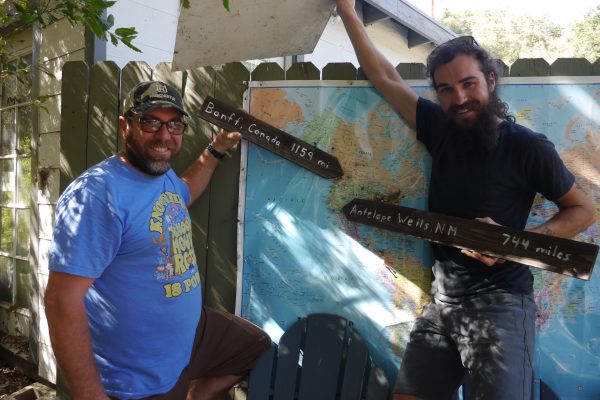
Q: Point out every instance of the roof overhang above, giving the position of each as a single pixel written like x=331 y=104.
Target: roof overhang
x=421 y=27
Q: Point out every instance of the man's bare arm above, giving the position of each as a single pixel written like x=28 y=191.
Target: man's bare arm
x=379 y=70
x=576 y=213
x=70 y=335
x=198 y=174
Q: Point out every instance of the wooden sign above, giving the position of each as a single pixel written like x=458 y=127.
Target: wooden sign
x=563 y=256
x=208 y=34
x=270 y=138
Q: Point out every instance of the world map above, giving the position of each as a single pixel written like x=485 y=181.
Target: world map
x=300 y=255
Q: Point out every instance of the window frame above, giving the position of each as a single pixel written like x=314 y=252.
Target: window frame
x=14 y=256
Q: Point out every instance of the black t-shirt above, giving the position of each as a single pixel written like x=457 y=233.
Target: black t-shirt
x=500 y=184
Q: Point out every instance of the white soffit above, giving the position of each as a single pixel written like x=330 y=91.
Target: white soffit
x=208 y=34
x=415 y=20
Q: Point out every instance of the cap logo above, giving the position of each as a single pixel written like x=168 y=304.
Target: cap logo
x=160 y=88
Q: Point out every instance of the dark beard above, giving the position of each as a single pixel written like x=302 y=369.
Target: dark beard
x=135 y=155
x=477 y=138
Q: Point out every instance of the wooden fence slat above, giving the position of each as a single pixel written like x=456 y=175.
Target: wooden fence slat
x=571 y=67
x=339 y=71
x=162 y=72
x=199 y=83
x=303 y=71
x=596 y=68
x=530 y=67
x=103 y=112
x=270 y=71
x=412 y=70
x=132 y=74
x=231 y=83
x=504 y=69
x=360 y=74
x=73 y=120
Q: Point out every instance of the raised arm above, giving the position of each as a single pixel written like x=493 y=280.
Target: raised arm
x=70 y=335
x=378 y=69
x=576 y=213
x=198 y=175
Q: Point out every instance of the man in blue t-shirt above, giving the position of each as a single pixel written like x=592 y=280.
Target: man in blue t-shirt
x=481 y=317
x=123 y=301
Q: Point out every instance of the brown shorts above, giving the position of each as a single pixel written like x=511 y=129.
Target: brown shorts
x=225 y=344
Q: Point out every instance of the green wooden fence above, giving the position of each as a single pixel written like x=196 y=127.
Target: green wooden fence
x=89 y=133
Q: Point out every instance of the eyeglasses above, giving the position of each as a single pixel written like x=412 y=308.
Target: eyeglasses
x=153 y=125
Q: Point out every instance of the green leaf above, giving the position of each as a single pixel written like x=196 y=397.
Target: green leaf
x=226 y=4
x=110 y=21
x=186 y=3
x=126 y=32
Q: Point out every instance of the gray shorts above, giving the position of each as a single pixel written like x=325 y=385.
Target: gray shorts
x=488 y=338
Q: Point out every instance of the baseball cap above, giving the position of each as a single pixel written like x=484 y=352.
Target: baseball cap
x=149 y=95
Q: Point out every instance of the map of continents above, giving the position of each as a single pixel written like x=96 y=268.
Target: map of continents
x=301 y=256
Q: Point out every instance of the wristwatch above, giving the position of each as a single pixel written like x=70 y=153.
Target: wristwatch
x=216 y=153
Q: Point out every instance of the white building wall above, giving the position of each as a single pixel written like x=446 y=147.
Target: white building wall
x=156 y=24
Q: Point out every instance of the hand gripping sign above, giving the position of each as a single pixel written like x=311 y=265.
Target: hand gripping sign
x=563 y=256
x=270 y=138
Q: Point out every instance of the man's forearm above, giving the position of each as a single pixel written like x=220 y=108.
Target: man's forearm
x=379 y=70
x=577 y=212
x=72 y=347
x=566 y=223
x=197 y=176
x=370 y=59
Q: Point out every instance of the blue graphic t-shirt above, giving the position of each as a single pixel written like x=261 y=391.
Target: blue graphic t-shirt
x=132 y=233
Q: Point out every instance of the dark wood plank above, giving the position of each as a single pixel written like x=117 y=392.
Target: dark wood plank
x=571 y=67
x=73 y=120
x=132 y=74
x=199 y=82
x=360 y=74
x=303 y=71
x=412 y=70
x=564 y=256
x=162 y=72
x=270 y=138
x=103 y=112
x=270 y=71
x=339 y=71
x=323 y=349
x=231 y=81
x=504 y=69
x=378 y=387
x=287 y=369
x=530 y=67
x=355 y=368
x=259 y=381
x=596 y=68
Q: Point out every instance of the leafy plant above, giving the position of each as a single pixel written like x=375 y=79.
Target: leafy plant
x=19 y=15
x=586 y=35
